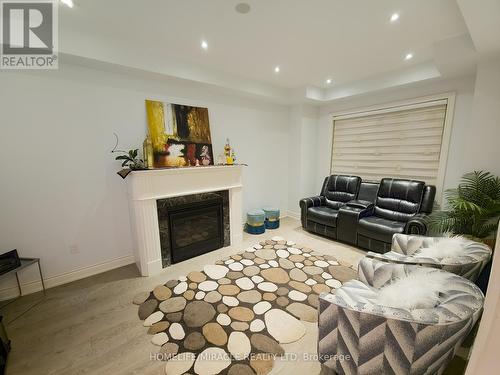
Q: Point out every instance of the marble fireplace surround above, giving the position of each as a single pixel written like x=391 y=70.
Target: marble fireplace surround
x=145 y=187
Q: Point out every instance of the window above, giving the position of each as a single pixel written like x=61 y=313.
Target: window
x=408 y=142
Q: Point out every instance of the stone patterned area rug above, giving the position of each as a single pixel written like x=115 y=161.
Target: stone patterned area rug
x=232 y=317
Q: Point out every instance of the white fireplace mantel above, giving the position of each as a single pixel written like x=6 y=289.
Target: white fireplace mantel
x=145 y=187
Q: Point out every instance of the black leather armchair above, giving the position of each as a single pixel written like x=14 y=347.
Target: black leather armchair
x=400 y=207
x=319 y=214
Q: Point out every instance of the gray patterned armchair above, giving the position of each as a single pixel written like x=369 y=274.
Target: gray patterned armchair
x=357 y=336
x=404 y=246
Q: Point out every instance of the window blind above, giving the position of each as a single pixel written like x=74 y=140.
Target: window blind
x=400 y=143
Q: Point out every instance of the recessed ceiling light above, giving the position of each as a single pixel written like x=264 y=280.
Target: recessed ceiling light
x=329 y=81
x=242 y=8
x=277 y=69
x=204 y=44
x=409 y=56
x=68 y=3
x=394 y=17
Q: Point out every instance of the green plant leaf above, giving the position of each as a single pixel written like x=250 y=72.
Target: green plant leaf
x=473 y=208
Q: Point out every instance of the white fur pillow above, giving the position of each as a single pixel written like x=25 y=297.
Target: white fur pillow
x=418 y=290
x=446 y=247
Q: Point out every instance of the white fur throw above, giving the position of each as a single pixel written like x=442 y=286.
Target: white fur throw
x=417 y=290
x=446 y=247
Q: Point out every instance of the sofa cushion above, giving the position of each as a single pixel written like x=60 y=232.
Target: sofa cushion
x=339 y=189
x=379 y=228
x=398 y=199
x=323 y=215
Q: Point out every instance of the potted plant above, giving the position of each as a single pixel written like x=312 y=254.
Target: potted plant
x=128 y=158
x=472 y=209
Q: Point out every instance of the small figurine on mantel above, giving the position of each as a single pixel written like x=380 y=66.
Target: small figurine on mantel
x=221 y=159
x=227 y=153
x=205 y=157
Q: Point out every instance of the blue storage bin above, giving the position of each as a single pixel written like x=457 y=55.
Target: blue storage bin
x=256 y=222
x=272 y=217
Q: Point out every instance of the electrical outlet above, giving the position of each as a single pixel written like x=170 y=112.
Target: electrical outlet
x=73 y=249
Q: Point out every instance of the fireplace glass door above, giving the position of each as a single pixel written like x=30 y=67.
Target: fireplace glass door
x=196 y=229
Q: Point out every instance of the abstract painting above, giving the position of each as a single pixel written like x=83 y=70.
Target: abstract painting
x=180 y=135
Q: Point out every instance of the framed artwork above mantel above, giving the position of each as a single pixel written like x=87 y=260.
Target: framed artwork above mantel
x=180 y=135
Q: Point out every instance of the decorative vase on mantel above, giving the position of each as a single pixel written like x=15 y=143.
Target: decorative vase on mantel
x=147 y=150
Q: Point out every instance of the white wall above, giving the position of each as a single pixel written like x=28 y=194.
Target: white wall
x=302 y=154
x=59 y=185
x=481 y=149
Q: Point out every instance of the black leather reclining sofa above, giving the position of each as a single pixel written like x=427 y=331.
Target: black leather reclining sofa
x=367 y=214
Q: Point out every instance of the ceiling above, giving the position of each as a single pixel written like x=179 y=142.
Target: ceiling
x=346 y=40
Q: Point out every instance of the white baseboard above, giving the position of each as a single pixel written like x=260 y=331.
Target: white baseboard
x=283 y=214
x=81 y=273
x=293 y=214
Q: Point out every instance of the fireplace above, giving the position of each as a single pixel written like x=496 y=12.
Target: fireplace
x=192 y=225
x=149 y=191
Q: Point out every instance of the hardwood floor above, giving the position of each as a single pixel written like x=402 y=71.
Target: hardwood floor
x=90 y=326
